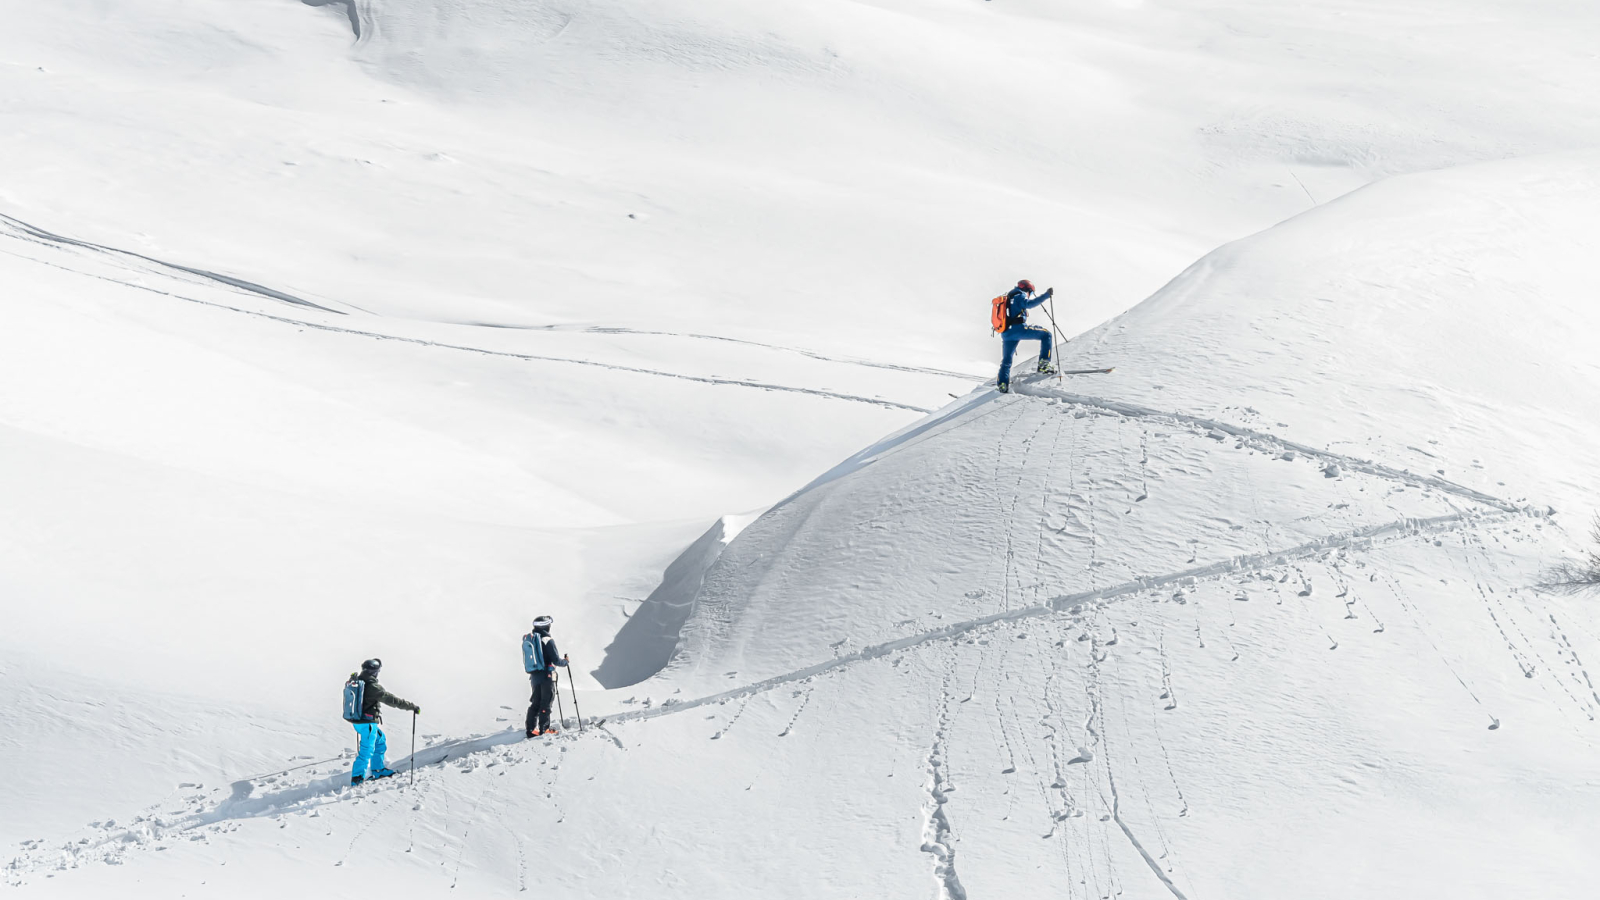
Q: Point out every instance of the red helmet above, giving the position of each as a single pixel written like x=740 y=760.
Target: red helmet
x=1026 y=285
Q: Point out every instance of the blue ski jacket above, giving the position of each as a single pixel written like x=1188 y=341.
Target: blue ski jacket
x=1018 y=303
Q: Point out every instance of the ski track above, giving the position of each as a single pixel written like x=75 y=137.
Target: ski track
x=805 y=700
x=1149 y=805
x=1044 y=510
x=1367 y=467
x=322 y=791
x=1069 y=803
x=1011 y=571
x=734 y=719
x=1570 y=656
x=46 y=237
x=362 y=831
x=516 y=843
x=690 y=335
x=39 y=234
x=1423 y=628
x=1077 y=601
x=242 y=804
x=461 y=851
x=1097 y=711
x=937 y=837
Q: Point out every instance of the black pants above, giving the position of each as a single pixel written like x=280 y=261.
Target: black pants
x=544 y=694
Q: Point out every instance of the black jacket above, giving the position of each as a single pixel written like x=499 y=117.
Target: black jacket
x=374 y=694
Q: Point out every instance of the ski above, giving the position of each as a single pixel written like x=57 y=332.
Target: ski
x=1032 y=377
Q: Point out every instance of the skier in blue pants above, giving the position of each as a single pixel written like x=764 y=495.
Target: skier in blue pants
x=370 y=758
x=1018 y=302
x=369 y=729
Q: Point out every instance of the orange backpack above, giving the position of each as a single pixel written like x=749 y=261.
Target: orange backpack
x=997 y=313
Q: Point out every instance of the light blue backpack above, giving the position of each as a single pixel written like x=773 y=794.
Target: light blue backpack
x=355 y=695
x=533 y=653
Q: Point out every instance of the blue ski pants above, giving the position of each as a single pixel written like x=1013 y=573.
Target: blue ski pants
x=1009 y=340
x=373 y=747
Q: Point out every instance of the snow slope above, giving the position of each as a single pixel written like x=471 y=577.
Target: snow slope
x=333 y=331
x=479 y=161
x=1422 y=341
x=1081 y=639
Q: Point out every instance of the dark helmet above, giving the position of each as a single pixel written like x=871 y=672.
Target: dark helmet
x=543 y=623
x=1026 y=285
x=371 y=666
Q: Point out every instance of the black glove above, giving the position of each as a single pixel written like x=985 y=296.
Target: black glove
x=417 y=711
x=1048 y=293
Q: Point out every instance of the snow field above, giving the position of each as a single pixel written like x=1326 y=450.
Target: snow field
x=437 y=316
x=1032 y=755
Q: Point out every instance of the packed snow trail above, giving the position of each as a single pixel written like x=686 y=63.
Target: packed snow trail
x=244 y=804
x=1064 y=611
x=26 y=231
x=810 y=354
x=1205 y=425
x=1069 y=603
x=41 y=236
x=328 y=795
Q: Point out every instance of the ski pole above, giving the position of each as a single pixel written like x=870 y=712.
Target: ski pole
x=556 y=686
x=1051 y=312
x=413 y=747
x=573 y=687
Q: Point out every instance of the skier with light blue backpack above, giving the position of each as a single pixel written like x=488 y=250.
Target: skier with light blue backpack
x=362 y=696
